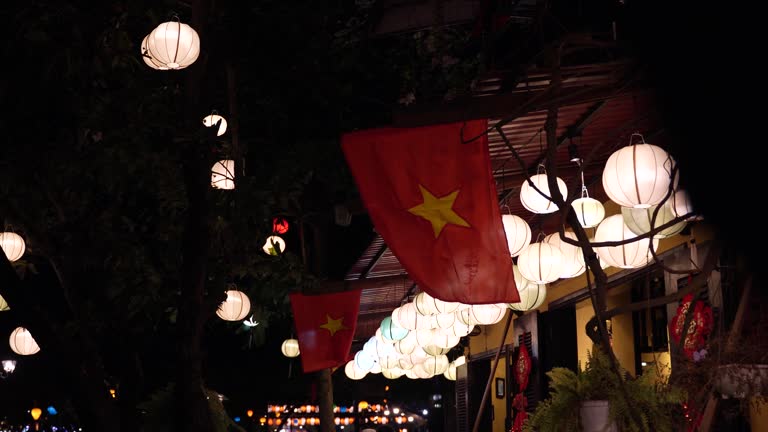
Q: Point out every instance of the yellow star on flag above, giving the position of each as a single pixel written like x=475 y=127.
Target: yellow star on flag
x=333 y=325
x=438 y=211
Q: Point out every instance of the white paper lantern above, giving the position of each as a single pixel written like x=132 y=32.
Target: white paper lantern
x=540 y=263
x=364 y=361
x=435 y=365
x=422 y=372
x=353 y=372
x=211 y=120
x=22 y=342
x=638 y=175
x=442 y=339
x=388 y=362
x=631 y=255
x=235 y=307
x=573 y=259
x=274 y=245
x=487 y=314
x=370 y=347
x=638 y=220
x=290 y=348
x=533 y=201
x=445 y=320
x=391 y=331
x=13 y=245
x=171 y=45
x=434 y=350
x=424 y=337
x=589 y=211
x=404 y=363
x=450 y=373
x=427 y=305
x=459 y=328
x=376 y=369
x=410 y=373
x=384 y=349
x=417 y=356
x=518 y=233
x=223 y=175
x=392 y=373
x=408 y=318
x=407 y=345
x=531 y=297
x=680 y=203
x=3 y=305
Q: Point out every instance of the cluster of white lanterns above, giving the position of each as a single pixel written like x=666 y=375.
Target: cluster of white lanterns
x=414 y=340
x=171 y=45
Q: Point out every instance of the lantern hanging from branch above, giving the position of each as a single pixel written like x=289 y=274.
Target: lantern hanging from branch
x=171 y=45
x=22 y=342
x=518 y=233
x=534 y=201
x=680 y=203
x=540 y=263
x=630 y=255
x=3 y=305
x=638 y=220
x=573 y=260
x=638 y=175
x=290 y=348
x=235 y=307
x=13 y=245
x=274 y=245
x=531 y=297
x=212 y=119
x=223 y=174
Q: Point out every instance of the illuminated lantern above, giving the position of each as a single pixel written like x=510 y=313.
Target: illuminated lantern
x=531 y=297
x=450 y=373
x=424 y=337
x=274 y=245
x=223 y=175
x=589 y=211
x=487 y=314
x=407 y=345
x=638 y=220
x=391 y=331
x=407 y=317
x=235 y=307
x=36 y=413
x=171 y=45
x=13 y=245
x=460 y=328
x=388 y=362
x=518 y=233
x=443 y=339
x=573 y=260
x=445 y=320
x=630 y=255
x=435 y=350
x=383 y=349
x=290 y=348
x=22 y=342
x=212 y=119
x=638 y=175
x=364 y=361
x=680 y=203
x=279 y=225
x=427 y=305
x=435 y=365
x=421 y=372
x=362 y=405
x=405 y=364
x=249 y=413
x=392 y=373
x=353 y=372
x=533 y=201
x=3 y=305
x=540 y=263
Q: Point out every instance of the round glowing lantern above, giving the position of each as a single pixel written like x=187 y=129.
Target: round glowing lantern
x=540 y=263
x=573 y=260
x=424 y=337
x=13 y=245
x=445 y=320
x=274 y=245
x=630 y=255
x=388 y=362
x=148 y=59
x=461 y=328
x=3 y=305
x=235 y=307
x=212 y=119
x=421 y=372
x=518 y=233
x=407 y=317
x=450 y=373
x=404 y=363
x=638 y=175
x=435 y=365
x=290 y=348
x=223 y=175
x=589 y=211
x=279 y=225
x=391 y=331
x=171 y=45
x=441 y=344
x=680 y=203
x=22 y=342
x=411 y=373
x=487 y=314
x=364 y=361
x=531 y=297
x=638 y=220
x=406 y=345
x=533 y=201
x=35 y=413
x=426 y=305
x=392 y=373
x=353 y=372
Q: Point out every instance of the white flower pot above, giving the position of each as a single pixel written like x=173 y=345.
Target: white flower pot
x=595 y=417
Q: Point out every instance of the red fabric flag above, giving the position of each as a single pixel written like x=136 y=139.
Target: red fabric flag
x=325 y=325
x=433 y=200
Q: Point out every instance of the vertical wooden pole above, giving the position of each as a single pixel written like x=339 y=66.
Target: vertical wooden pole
x=325 y=394
x=476 y=427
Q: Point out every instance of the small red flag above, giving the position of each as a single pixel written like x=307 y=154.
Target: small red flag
x=325 y=325
x=433 y=200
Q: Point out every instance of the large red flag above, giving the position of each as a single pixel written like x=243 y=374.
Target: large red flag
x=325 y=325
x=433 y=200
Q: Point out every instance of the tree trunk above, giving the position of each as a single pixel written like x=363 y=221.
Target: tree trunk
x=325 y=394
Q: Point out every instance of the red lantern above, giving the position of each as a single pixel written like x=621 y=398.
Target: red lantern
x=279 y=225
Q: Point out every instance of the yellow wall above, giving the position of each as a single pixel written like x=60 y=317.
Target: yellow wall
x=499 y=405
x=623 y=340
x=489 y=340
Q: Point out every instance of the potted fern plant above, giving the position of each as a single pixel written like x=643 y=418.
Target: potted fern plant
x=592 y=400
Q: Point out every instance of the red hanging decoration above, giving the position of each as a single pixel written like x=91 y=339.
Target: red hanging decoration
x=279 y=225
x=522 y=371
x=700 y=325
